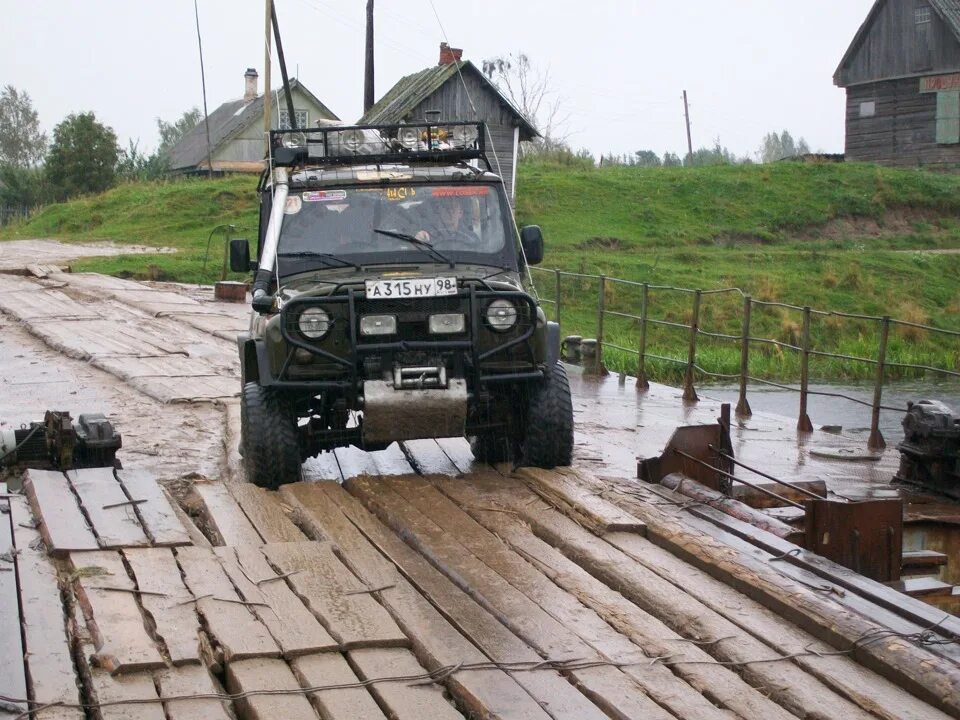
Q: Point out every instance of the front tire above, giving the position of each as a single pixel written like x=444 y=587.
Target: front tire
x=548 y=441
x=490 y=448
x=271 y=452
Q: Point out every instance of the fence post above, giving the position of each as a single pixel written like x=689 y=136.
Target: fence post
x=556 y=294
x=642 y=382
x=743 y=407
x=803 y=422
x=689 y=393
x=876 y=441
x=601 y=309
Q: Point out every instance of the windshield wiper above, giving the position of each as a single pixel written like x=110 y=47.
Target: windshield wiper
x=325 y=256
x=422 y=244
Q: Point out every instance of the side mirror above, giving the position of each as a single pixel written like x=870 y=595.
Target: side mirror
x=240 y=256
x=531 y=238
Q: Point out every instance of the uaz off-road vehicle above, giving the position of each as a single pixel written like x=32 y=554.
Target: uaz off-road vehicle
x=391 y=302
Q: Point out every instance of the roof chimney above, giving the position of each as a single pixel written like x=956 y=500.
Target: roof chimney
x=449 y=55
x=250 y=85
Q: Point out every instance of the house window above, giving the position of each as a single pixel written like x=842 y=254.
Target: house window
x=921 y=15
x=302 y=117
x=948 y=117
x=922 y=36
x=868 y=109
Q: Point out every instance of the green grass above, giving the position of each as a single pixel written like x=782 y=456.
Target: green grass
x=836 y=237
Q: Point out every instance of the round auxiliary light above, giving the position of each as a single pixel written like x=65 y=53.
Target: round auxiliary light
x=463 y=135
x=409 y=137
x=501 y=315
x=352 y=140
x=294 y=140
x=314 y=323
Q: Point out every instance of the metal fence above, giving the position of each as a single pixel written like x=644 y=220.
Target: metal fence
x=13 y=213
x=693 y=332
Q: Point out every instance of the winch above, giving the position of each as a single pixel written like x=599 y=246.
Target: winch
x=930 y=447
x=60 y=443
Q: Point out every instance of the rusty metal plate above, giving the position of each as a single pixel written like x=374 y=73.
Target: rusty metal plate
x=866 y=537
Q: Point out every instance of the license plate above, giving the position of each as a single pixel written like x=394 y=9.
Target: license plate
x=410 y=288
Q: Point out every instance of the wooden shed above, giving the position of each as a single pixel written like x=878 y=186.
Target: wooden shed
x=902 y=77
x=455 y=89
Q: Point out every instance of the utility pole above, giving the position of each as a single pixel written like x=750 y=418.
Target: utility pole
x=203 y=82
x=368 y=67
x=686 y=114
x=267 y=110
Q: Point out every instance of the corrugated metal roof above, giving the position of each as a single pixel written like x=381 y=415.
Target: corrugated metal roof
x=413 y=89
x=226 y=122
x=948 y=10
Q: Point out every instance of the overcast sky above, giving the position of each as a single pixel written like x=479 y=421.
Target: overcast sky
x=619 y=66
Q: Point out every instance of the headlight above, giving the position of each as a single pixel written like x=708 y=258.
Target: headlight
x=409 y=137
x=463 y=135
x=501 y=315
x=314 y=323
x=447 y=323
x=378 y=325
x=352 y=140
x=294 y=140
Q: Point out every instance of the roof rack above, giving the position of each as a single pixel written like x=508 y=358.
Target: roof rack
x=379 y=144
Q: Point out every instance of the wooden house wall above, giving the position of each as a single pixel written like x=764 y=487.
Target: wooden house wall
x=903 y=130
x=453 y=104
x=890 y=48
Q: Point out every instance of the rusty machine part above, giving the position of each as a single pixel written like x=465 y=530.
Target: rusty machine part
x=59 y=443
x=930 y=451
x=866 y=536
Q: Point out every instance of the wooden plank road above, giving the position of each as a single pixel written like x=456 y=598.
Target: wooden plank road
x=108 y=508
x=62 y=524
x=13 y=681
x=154 y=508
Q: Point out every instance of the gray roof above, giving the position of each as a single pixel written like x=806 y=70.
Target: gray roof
x=226 y=122
x=948 y=10
x=413 y=89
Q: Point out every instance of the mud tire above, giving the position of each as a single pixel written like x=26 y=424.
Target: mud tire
x=549 y=437
x=490 y=448
x=271 y=453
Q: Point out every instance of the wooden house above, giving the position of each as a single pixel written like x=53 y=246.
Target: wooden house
x=455 y=89
x=236 y=129
x=902 y=77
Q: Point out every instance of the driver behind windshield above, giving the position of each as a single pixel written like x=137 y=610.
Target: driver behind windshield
x=449 y=222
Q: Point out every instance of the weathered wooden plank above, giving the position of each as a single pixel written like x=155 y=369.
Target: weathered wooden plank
x=402 y=699
x=110 y=511
x=575 y=613
x=343 y=704
x=13 y=682
x=458 y=450
x=49 y=663
x=266 y=674
x=264 y=510
x=159 y=518
x=197 y=537
x=932 y=678
x=291 y=624
x=608 y=687
x=236 y=629
x=720 y=684
x=106 y=688
x=323 y=508
x=335 y=595
x=118 y=628
x=168 y=601
x=592 y=511
x=62 y=524
x=191 y=680
x=429 y=458
x=224 y=516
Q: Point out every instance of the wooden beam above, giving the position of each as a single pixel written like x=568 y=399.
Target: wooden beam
x=403 y=700
x=62 y=524
x=160 y=520
x=232 y=623
x=118 y=628
x=13 y=681
x=47 y=649
x=291 y=624
x=107 y=688
x=191 y=680
x=335 y=595
x=370 y=550
x=224 y=517
x=342 y=704
x=266 y=674
x=110 y=511
x=264 y=509
x=168 y=601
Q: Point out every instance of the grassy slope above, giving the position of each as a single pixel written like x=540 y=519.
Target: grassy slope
x=756 y=228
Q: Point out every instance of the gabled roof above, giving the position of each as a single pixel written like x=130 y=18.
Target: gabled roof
x=226 y=122
x=948 y=10
x=413 y=89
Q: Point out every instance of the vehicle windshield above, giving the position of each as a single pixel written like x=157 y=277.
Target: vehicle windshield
x=397 y=224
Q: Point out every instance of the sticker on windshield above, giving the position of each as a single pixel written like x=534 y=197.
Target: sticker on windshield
x=293 y=206
x=461 y=191
x=325 y=195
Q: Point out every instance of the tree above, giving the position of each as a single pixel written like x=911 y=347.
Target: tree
x=82 y=158
x=776 y=147
x=528 y=88
x=22 y=145
x=172 y=133
x=672 y=160
x=133 y=164
x=647 y=158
